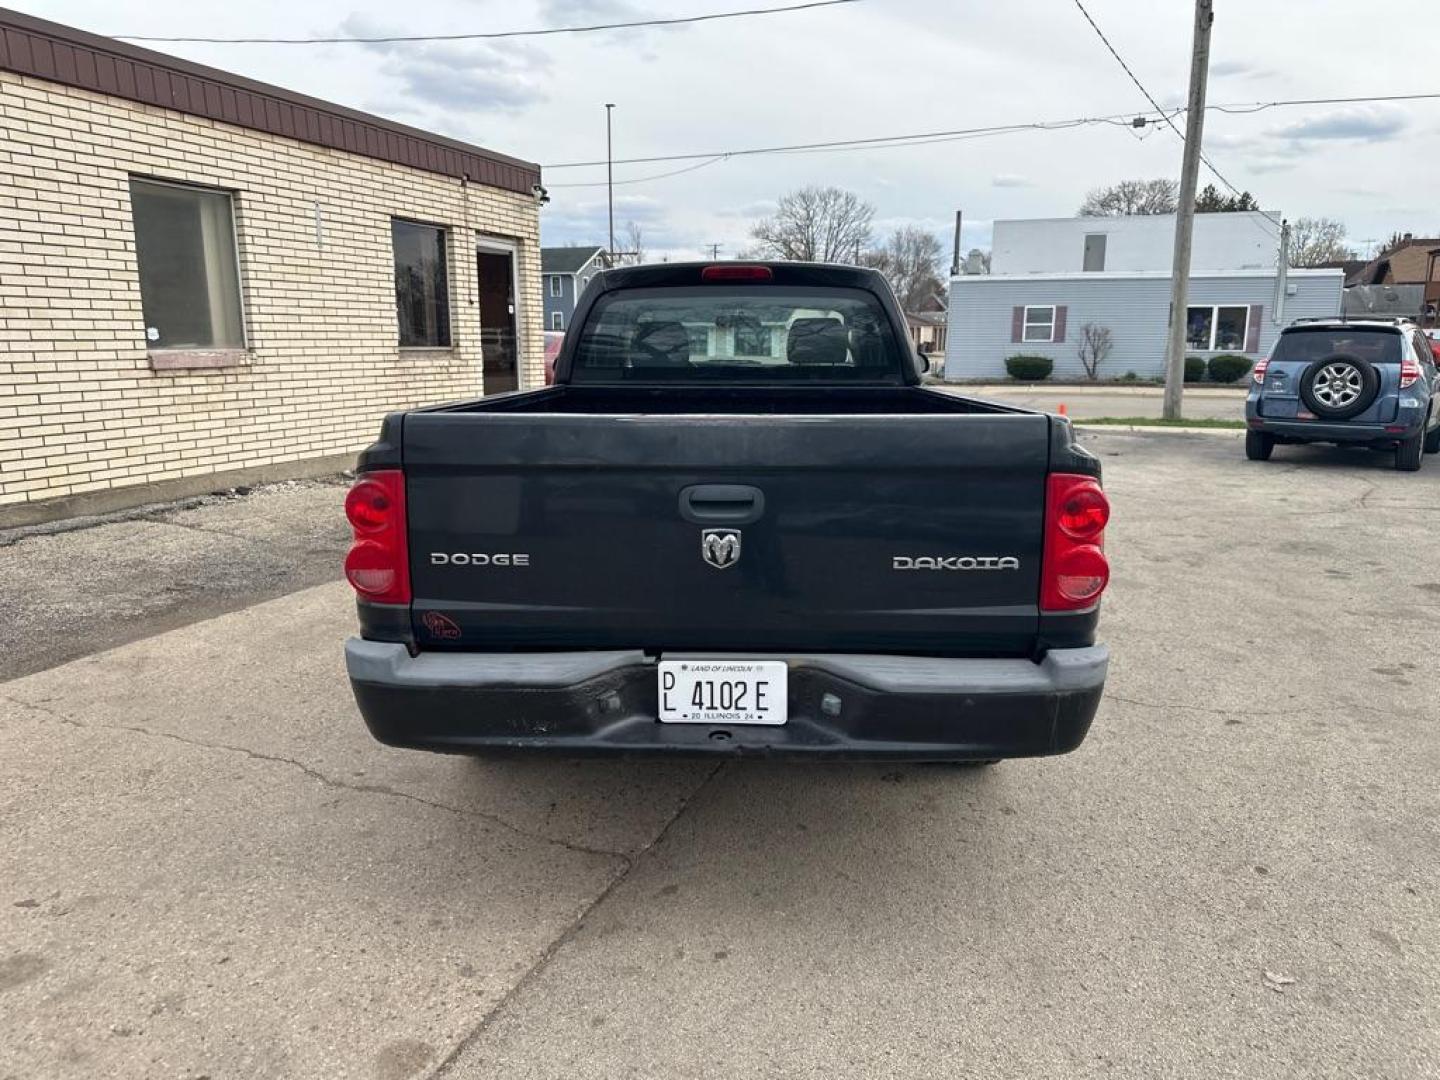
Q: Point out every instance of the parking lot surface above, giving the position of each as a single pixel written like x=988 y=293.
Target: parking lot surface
x=210 y=870
x=1089 y=402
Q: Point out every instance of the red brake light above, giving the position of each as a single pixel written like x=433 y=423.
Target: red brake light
x=1083 y=511
x=1259 y=373
x=736 y=272
x=1074 y=571
x=368 y=506
x=1409 y=372
x=378 y=565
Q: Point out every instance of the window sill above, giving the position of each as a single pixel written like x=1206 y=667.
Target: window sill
x=420 y=352
x=193 y=359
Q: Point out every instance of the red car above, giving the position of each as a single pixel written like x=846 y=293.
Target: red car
x=553 y=340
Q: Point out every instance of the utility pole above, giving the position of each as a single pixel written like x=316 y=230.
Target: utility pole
x=955 y=260
x=1282 y=276
x=1185 y=217
x=715 y=252
x=610 y=176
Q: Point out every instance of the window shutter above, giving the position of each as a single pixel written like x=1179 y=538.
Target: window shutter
x=1060 y=312
x=1252 y=333
x=1017 y=324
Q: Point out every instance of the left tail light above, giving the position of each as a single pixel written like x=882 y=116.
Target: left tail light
x=1409 y=372
x=1259 y=373
x=378 y=566
x=1074 y=571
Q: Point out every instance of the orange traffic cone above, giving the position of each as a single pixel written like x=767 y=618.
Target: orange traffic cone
x=1062 y=409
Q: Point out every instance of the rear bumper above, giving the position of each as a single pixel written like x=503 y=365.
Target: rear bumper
x=898 y=707
x=1340 y=431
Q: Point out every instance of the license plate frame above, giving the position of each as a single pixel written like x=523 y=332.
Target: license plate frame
x=755 y=691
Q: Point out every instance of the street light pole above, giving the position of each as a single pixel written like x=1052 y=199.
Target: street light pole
x=610 y=177
x=1185 y=215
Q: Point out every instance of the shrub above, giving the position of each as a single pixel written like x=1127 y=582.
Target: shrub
x=1227 y=367
x=1130 y=376
x=1029 y=368
x=1194 y=369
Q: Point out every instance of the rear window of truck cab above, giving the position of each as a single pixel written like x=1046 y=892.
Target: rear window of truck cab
x=1377 y=344
x=740 y=333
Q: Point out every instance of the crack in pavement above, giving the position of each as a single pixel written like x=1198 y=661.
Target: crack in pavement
x=564 y=937
x=254 y=541
x=330 y=781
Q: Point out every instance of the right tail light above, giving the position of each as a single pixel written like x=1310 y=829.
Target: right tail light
x=1409 y=372
x=1074 y=570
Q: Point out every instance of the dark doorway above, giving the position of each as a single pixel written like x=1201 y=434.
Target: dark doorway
x=497 y=322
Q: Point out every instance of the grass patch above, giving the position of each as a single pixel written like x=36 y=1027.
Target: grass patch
x=1151 y=421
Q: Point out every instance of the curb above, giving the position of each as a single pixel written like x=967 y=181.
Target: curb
x=1060 y=390
x=1147 y=429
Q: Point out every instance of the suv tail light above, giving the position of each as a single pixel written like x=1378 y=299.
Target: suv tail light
x=1409 y=372
x=1259 y=373
x=378 y=566
x=1074 y=571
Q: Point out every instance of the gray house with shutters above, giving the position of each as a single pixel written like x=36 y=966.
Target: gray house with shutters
x=1052 y=277
x=565 y=271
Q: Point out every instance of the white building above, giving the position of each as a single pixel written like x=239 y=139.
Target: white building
x=1053 y=276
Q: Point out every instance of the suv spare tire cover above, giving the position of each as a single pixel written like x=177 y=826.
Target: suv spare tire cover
x=1336 y=378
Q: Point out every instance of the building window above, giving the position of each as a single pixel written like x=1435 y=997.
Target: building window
x=557 y=320
x=699 y=341
x=1094 y=252
x=1039 y=323
x=422 y=292
x=752 y=338
x=189 y=279
x=555 y=285
x=1217 y=329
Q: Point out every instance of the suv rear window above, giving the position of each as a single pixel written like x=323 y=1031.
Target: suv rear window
x=1379 y=345
x=738 y=334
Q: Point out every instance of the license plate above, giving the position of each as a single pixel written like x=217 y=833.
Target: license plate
x=723 y=691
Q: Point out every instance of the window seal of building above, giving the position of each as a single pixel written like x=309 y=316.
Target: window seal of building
x=198 y=359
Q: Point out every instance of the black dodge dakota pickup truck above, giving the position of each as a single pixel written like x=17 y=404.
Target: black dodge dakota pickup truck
x=737 y=523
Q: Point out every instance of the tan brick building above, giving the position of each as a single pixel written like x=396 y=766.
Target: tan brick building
x=206 y=280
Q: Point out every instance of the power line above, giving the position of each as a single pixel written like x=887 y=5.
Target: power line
x=1118 y=119
x=883 y=142
x=643 y=179
x=1150 y=98
x=1368 y=99
x=410 y=38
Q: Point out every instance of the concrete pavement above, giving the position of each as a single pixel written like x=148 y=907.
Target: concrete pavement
x=210 y=870
x=71 y=588
x=1082 y=402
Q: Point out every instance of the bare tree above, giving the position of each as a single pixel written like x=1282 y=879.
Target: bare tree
x=634 y=246
x=1317 y=240
x=1096 y=342
x=1158 y=196
x=910 y=260
x=816 y=224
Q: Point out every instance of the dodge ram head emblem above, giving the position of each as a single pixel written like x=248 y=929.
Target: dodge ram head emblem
x=720 y=547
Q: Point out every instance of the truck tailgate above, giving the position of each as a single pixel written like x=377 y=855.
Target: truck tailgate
x=919 y=534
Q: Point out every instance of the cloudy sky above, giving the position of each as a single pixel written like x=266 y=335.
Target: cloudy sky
x=862 y=70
